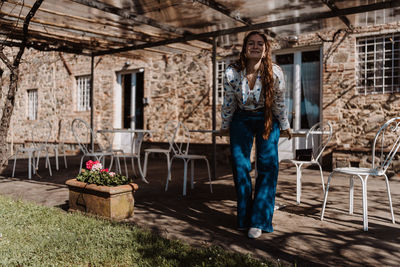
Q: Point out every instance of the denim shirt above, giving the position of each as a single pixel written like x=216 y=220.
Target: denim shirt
x=237 y=94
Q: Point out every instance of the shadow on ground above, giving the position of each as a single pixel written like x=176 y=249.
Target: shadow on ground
x=203 y=218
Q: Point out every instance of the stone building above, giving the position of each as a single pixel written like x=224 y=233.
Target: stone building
x=353 y=81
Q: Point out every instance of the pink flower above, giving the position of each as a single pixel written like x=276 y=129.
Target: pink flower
x=112 y=174
x=104 y=170
x=89 y=164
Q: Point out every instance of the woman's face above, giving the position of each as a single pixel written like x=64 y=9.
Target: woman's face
x=255 y=47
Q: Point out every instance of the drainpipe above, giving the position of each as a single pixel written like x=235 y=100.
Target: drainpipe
x=91 y=101
x=214 y=121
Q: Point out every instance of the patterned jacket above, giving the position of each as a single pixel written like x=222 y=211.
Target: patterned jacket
x=237 y=93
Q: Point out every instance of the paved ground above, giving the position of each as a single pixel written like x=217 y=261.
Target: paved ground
x=202 y=218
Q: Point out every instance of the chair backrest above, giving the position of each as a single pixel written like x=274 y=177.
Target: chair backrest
x=41 y=132
x=386 y=144
x=105 y=139
x=170 y=131
x=82 y=134
x=62 y=131
x=181 y=140
x=318 y=138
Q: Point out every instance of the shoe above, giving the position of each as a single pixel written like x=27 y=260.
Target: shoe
x=254 y=232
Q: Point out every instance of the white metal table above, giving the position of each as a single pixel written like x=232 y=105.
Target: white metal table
x=141 y=133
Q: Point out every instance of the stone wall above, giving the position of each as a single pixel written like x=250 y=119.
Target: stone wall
x=356 y=117
x=179 y=86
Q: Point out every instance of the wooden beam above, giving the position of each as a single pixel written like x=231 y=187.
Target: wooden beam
x=226 y=11
x=40 y=40
x=122 y=25
x=334 y=8
x=127 y=14
x=259 y=26
x=63 y=36
x=45 y=47
x=81 y=31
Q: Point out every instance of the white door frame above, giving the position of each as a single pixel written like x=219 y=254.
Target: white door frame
x=123 y=140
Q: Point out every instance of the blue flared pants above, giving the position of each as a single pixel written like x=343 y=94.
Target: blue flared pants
x=254 y=211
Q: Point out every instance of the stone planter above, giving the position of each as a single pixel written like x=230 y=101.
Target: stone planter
x=112 y=202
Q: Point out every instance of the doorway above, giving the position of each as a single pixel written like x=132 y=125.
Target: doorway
x=128 y=108
x=302 y=70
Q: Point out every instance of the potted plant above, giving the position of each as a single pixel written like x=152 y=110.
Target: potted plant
x=98 y=191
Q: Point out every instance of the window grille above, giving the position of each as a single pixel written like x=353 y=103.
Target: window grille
x=378 y=64
x=32 y=104
x=83 y=97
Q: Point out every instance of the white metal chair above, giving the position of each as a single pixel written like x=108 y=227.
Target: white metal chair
x=59 y=145
x=82 y=134
x=181 y=151
x=385 y=146
x=317 y=137
x=40 y=136
x=170 y=130
x=136 y=144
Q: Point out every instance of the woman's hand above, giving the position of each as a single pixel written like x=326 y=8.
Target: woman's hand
x=286 y=133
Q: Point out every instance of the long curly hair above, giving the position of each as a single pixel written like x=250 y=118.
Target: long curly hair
x=267 y=78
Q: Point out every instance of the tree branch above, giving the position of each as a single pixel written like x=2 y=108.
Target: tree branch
x=6 y=61
x=25 y=32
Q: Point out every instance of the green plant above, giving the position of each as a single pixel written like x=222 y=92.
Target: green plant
x=95 y=174
x=34 y=235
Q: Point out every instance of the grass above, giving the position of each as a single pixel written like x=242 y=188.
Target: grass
x=34 y=235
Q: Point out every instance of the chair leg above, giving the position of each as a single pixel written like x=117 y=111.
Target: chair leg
x=169 y=173
x=191 y=174
x=298 y=182
x=15 y=161
x=185 y=164
x=118 y=165
x=365 y=203
x=209 y=175
x=322 y=177
x=48 y=162
x=80 y=166
x=111 y=162
x=140 y=169
x=126 y=167
x=56 y=155
x=351 y=195
x=146 y=156
x=389 y=197
x=36 y=164
x=133 y=167
x=169 y=163
x=65 y=157
x=30 y=166
x=326 y=196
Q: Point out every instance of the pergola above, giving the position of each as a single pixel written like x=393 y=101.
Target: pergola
x=145 y=27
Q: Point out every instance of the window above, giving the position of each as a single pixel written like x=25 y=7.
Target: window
x=378 y=68
x=32 y=104
x=83 y=96
x=221 y=66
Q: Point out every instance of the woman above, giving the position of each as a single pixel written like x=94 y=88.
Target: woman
x=254 y=107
